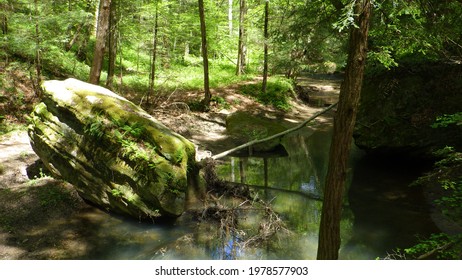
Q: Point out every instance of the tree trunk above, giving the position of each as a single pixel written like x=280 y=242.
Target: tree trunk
x=112 y=43
x=230 y=17
x=265 y=49
x=38 y=54
x=4 y=23
x=208 y=95
x=152 y=76
x=242 y=49
x=329 y=231
x=71 y=43
x=100 y=46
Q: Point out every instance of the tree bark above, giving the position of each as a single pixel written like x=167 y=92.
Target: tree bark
x=242 y=49
x=207 y=94
x=230 y=17
x=329 y=231
x=38 y=54
x=71 y=43
x=265 y=49
x=152 y=76
x=112 y=44
x=4 y=23
x=100 y=46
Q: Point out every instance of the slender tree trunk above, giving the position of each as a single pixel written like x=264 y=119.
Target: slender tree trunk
x=4 y=22
x=100 y=46
x=329 y=231
x=112 y=43
x=71 y=43
x=208 y=95
x=230 y=17
x=152 y=76
x=38 y=54
x=121 y=69
x=242 y=49
x=265 y=49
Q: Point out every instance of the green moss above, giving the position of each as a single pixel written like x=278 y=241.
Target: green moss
x=126 y=159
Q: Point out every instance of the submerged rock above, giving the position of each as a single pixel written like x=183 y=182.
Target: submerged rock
x=115 y=154
x=399 y=106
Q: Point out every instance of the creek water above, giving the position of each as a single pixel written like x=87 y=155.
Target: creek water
x=381 y=212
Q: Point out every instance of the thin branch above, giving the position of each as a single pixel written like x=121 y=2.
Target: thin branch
x=436 y=250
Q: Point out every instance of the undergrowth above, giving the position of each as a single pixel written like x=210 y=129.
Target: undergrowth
x=278 y=92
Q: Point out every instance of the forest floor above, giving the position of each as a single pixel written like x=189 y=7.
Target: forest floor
x=44 y=218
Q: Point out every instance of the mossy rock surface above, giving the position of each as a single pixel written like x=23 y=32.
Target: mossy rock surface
x=114 y=153
x=399 y=106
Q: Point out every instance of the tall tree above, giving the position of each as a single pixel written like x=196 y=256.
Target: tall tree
x=152 y=75
x=230 y=17
x=112 y=44
x=208 y=95
x=101 y=36
x=265 y=48
x=329 y=231
x=242 y=47
x=38 y=53
x=4 y=18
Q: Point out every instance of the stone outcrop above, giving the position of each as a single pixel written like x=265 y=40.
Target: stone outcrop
x=399 y=106
x=115 y=154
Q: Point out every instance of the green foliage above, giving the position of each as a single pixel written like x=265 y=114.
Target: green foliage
x=117 y=193
x=305 y=38
x=346 y=19
x=449 y=157
x=220 y=102
x=96 y=128
x=437 y=246
x=445 y=120
x=403 y=28
x=278 y=92
x=451 y=204
x=136 y=130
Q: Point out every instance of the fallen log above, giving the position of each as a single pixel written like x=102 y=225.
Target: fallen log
x=258 y=141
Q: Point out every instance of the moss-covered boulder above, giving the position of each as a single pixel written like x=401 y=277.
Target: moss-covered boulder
x=399 y=106
x=115 y=154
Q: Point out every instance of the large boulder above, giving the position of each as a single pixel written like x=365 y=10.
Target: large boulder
x=115 y=154
x=399 y=106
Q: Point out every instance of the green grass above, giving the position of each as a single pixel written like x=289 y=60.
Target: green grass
x=278 y=92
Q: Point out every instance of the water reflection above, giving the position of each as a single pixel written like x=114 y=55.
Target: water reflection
x=380 y=212
x=294 y=187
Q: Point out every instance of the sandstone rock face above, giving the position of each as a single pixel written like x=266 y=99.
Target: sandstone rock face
x=398 y=108
x=115 y=154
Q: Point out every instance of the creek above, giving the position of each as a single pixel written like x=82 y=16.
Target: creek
x=381 y=212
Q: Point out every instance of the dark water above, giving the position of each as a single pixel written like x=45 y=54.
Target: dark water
x=381 y=212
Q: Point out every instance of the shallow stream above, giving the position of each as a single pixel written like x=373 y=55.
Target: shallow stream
x=381 y=213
